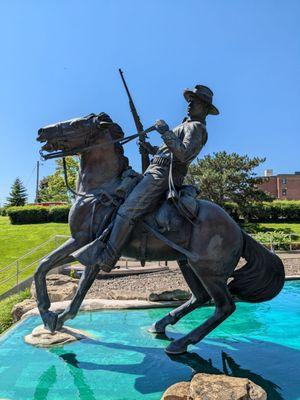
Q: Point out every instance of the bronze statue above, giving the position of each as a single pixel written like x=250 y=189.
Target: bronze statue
x=153 y=217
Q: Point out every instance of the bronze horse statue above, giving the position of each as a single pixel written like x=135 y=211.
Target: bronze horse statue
x=214 y=243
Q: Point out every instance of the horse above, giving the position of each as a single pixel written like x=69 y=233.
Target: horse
x=216 y=242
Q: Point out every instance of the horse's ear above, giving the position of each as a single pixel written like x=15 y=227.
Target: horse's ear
x=103 y=120
x=103 y=117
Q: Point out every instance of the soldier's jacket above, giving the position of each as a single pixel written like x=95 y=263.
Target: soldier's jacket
x=185 y=142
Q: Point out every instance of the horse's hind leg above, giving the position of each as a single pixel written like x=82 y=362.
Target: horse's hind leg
x=86 y=281
x=216 y=286
x=52 y=260
x=199 y=297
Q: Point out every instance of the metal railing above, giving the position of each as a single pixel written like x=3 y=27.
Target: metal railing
x=15 y=272
x=289 y=242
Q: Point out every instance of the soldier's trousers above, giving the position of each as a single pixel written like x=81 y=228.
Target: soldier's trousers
x=146 y=196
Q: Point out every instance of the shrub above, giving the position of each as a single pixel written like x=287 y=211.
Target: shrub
x=285 y=210
x=3 y=211
x=59 y=213
x=274 y=240
x=6 y=306
x=28 y=214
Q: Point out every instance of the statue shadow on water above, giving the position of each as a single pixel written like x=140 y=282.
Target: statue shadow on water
x=153 y=371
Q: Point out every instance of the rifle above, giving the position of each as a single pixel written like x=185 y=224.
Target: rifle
x=138 y=124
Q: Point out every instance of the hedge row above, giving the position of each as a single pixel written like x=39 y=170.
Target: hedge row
x=273 y=211
x=37 y=214
x=256 y=212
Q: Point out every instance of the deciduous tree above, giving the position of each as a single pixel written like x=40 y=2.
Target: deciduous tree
x=53 y=188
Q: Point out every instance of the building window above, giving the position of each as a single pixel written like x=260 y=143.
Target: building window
x=284 y=192
x=284 y=181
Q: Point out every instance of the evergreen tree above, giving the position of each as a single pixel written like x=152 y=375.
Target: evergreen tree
x=224 y=177
x=17 y=195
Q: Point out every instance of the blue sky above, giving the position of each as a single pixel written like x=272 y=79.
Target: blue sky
x=59 y=60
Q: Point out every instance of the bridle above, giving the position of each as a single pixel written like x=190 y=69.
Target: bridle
x=81 y=149
x=102 y=196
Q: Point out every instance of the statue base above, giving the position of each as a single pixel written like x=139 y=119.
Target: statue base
x=41 y=337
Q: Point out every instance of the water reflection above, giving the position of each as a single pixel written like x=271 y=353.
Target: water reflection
x=157 y=371
x=49 y=377
x=45 y=383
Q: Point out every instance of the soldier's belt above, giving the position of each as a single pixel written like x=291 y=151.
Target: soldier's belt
x=165 y=162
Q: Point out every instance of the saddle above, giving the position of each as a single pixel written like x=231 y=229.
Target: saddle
x=167 y=224
x=173 y=210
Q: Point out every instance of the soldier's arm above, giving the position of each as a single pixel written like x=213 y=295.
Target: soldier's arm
x=148 y=147
x=191 y=143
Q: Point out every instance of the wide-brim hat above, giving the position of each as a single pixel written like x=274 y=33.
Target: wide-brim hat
x=203 y=93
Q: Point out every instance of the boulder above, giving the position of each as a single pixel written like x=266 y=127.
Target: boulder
x=179 y=391
x=126 y=295
x=60 y=287
x=215 y=387
x=169 y=295
x=41 y=337
x=21 y=308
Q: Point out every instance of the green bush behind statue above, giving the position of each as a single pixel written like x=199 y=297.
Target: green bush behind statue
x=37 y=214
x=275 y=211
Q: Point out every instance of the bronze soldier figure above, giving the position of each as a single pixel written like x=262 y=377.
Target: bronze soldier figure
x=183 y=144
x=207 y=248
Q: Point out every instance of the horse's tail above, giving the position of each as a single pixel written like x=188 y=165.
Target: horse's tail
x=262 y=277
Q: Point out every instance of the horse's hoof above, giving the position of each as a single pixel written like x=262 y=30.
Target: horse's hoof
x=50 y=320
x=176 y=348
x=156 y=330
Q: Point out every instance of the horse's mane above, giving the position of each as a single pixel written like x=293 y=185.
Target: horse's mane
x=116 y=132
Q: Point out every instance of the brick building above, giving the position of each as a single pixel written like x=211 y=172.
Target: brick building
x=282 y=186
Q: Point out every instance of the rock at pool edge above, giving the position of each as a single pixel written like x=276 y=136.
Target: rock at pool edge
x=41 y=337
x=215 y=387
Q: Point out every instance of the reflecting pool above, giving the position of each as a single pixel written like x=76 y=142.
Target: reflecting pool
x=124 y=362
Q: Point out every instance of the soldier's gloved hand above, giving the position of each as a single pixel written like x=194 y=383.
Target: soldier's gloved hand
x=147 y=147
x=161 y=126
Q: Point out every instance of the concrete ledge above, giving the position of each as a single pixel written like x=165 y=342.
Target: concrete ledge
x=292 y=278
x=105 y=304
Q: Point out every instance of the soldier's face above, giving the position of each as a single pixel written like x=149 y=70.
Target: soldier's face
x=196 y=108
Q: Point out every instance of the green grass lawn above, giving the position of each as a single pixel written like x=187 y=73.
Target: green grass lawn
x=16 y=240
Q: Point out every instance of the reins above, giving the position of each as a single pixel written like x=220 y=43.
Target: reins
x=102 y=194
x=77 y=150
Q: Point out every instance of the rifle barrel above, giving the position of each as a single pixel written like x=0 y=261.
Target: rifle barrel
x=138 y=124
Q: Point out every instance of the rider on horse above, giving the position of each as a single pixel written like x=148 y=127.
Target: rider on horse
x=181 y=146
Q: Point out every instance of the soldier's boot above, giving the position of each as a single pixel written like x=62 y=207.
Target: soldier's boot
x=107 y=254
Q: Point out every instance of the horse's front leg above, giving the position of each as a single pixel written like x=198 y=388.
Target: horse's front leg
x=52 y=260
x=86 y=281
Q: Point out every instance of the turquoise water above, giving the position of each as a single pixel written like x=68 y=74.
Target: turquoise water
x=124 y=362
